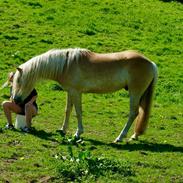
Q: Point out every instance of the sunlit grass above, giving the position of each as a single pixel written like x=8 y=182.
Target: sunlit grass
x=29 y=28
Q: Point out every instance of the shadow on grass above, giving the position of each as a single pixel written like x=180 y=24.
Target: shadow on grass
x=168 y=1
x=141 y=145
x=41 y=134
x=133 y=146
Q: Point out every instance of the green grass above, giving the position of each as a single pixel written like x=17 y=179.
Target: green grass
x=28 y=28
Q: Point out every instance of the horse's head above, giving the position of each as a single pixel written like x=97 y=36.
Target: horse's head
x=21 y=88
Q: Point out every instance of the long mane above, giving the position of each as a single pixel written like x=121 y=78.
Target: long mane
x=49 y=65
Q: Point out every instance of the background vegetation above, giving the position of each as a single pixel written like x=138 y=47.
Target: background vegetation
x=153 y=27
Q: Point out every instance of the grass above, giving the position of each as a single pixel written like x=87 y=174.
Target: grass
x=28 y=28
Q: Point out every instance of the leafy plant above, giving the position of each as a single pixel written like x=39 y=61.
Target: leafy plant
x=84 y=166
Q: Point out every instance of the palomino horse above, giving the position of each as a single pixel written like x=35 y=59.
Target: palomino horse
x=82 y=71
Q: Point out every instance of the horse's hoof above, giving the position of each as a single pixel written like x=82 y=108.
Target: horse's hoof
x=77 y=137
x=79 y=140
x=132 y=138
x=116 y=141
x=77 y=134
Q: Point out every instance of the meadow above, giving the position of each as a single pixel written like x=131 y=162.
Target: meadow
x=152 y=27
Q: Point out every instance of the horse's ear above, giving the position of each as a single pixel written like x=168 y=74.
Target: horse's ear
x=20 y=70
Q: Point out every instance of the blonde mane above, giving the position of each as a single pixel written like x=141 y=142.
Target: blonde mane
x=52 y=62
x=49 y=65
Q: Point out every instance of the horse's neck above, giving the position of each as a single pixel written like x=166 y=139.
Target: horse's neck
x=49 y=71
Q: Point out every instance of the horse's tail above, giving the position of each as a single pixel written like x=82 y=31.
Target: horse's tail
x=145 y=105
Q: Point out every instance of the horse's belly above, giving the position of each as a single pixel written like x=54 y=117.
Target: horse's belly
x=104 y=86
x=100 y=80
x=102 y=90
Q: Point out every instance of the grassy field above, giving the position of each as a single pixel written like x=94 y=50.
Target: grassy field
x=153 y=27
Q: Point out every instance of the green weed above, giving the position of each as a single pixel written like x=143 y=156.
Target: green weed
x=85 y=167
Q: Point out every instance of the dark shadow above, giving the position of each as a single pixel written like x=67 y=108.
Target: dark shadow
x=7 y=97
x=41 y=134
x=140 y=146
x=132 y=146
x=56 y=87
x=168 y=1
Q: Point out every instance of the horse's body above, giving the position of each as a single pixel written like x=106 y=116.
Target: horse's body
x=82 y=71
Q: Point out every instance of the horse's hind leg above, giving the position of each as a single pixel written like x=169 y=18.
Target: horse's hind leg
x=134 y=106
x=69 y=105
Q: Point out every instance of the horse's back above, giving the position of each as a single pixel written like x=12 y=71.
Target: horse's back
x=115 y=57
x=108 y=72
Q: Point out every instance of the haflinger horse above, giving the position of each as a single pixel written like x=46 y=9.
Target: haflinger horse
x=82 y=71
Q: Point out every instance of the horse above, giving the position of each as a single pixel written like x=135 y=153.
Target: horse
x=81 y=71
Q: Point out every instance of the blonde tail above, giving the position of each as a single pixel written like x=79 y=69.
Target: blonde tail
x=145 y=106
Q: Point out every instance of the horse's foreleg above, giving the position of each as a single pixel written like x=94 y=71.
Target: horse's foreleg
x=69 y=105
x=134 y=106
x=78 y=108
